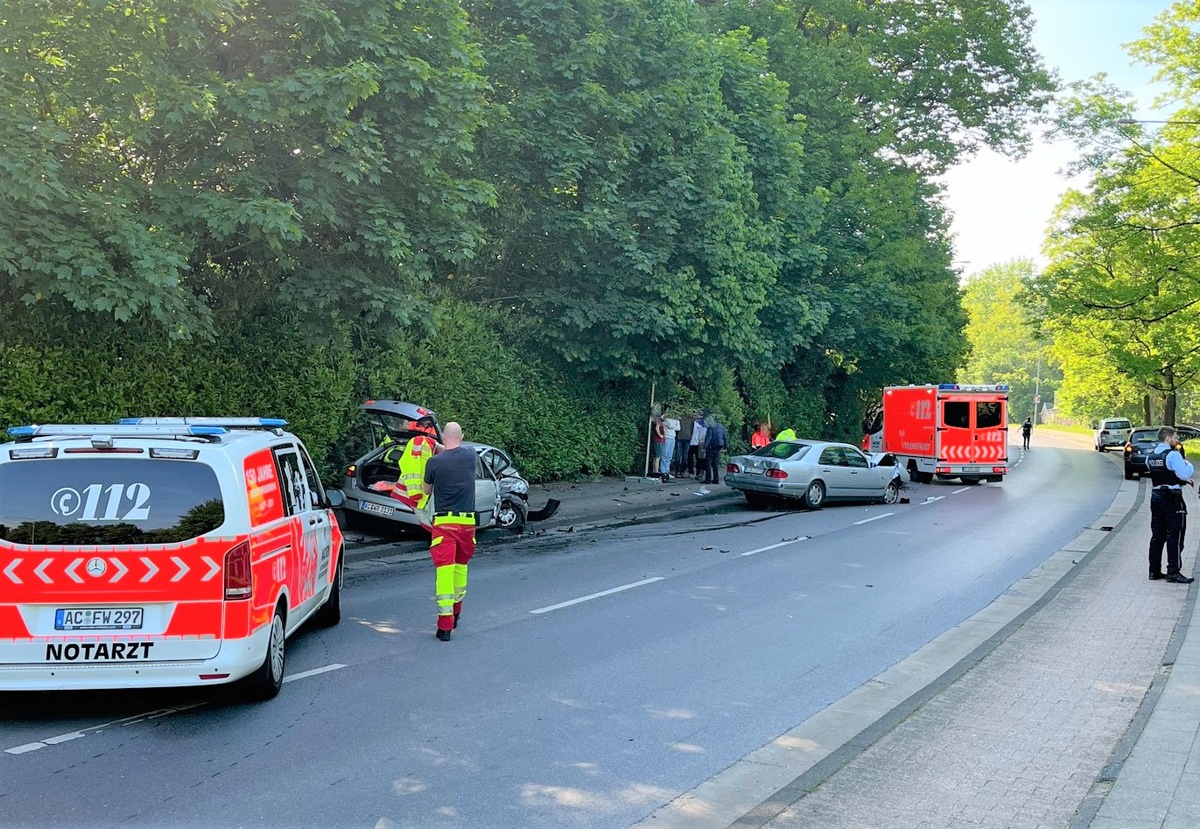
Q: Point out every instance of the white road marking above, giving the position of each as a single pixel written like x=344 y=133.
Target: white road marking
x=964 y=489
x=83 y=732
x=774 y=546
x=335 y=666
x=933 y=499
x=873 y=518
x=602 y=593
x=137 y=718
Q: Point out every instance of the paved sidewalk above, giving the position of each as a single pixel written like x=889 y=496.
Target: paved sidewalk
x=1020 y=740
x=1158 y=785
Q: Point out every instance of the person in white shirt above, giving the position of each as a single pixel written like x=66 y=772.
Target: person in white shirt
x=666 y=449
x=696 y=446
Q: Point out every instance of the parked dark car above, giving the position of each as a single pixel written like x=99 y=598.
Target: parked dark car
x=1142 y=442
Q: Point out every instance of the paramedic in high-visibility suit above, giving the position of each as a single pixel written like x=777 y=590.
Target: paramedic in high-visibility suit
x=410 y=489
x=450 y=479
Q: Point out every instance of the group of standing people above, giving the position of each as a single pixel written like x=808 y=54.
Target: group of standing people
x=690 y=445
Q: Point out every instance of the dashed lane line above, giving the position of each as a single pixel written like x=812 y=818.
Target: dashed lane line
x=964 y=489
x=143 y=717
x=774 y=546
x=601 y=594
x=873 y=518
x=326 y=669
x=932 y=499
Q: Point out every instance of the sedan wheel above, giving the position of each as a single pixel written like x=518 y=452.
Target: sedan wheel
x=892 y=493
x=814 y=496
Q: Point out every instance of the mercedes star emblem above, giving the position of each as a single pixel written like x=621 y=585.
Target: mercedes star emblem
x=96 y=567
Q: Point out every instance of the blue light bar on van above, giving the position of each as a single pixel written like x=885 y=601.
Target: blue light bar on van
x=109 y=430
x=966 y=387
x=227 y=422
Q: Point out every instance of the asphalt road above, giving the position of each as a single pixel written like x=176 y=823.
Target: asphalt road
x=594 y=676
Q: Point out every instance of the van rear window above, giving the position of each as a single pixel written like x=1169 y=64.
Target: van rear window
x=107 y=501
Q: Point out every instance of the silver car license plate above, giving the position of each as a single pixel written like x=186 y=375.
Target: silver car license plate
x=378 y=509
x=98 y=618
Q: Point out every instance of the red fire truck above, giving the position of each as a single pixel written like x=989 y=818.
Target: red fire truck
x=944 y=431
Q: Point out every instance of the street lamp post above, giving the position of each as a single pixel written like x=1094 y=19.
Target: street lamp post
x=1037 y=390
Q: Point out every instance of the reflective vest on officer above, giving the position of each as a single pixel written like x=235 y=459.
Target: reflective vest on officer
x=1160 y=473
x=786 y=434
x=417 y=453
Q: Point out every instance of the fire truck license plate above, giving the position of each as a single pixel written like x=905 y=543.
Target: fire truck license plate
x=378 y=509
x=970 y=469
x=98 y=618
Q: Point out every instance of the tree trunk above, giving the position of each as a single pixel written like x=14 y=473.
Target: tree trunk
x=1147 y=410
x=1170 y=397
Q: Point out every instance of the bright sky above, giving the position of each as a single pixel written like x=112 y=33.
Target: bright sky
x=1001 y=207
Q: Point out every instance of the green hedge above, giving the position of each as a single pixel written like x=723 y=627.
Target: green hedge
x=476 y=366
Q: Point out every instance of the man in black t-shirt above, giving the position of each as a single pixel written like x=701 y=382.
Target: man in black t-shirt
x=450 y=477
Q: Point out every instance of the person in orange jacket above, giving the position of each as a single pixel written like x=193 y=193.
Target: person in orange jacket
x=761 y=437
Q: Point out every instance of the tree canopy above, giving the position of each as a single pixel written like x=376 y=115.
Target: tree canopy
x=740 y=196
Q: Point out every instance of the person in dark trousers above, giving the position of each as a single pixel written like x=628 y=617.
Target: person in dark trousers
x=714 y=441
x=684 y=459
x=450 y=478
x=1026 y=431
x=1169 y=472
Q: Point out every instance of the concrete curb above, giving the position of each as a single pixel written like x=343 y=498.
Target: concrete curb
x=767 y=781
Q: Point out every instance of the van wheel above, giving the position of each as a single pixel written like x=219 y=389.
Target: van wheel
x=814 y=496
x=264 y=684
x=331 y=612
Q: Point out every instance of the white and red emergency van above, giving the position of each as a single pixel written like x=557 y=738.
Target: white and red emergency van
x=160 y=552
x=945 y=431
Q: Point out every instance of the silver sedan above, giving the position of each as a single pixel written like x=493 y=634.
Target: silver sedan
x=813 y=472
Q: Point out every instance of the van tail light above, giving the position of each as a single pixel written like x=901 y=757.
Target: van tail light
x=777 y=474
x=1000 y=470
x=942 y=470
x=239 y=579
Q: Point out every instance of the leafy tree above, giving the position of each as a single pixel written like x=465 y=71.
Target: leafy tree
x=648 y=184
x=1006 y=347
x=162 y=158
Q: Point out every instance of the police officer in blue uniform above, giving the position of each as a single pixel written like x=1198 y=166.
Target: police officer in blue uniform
x=1169 y=471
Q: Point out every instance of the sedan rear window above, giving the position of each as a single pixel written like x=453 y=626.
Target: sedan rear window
x=1144 y=437
x=782 y=450
x=108 y=501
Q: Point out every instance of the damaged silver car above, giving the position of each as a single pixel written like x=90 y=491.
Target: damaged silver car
x=501 y=493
